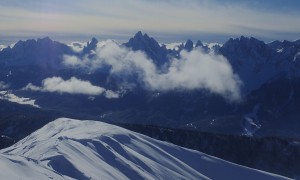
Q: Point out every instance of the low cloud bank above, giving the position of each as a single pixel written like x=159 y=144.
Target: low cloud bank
x=71 y=86
x=193 y=70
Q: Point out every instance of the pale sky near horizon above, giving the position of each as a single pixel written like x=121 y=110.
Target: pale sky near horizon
x=165 y=20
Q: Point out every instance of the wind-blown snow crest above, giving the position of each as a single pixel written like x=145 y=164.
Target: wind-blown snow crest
x=73 y=149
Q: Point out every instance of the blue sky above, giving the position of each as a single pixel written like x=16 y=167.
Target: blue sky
x=166 y=20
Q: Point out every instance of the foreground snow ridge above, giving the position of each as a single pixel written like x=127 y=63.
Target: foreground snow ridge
x=74 y=149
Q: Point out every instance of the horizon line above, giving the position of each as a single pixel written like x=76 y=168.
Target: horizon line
x=161 y=39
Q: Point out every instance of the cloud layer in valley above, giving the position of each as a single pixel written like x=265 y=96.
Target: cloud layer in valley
x=193 y=70
x=71 y=86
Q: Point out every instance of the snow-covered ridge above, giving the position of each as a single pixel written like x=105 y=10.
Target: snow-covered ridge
x=73 y=149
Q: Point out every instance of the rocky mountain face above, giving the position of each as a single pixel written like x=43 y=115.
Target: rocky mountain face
x=92 y=45
x=257 y=63
x=142 y=42
x=42 y=53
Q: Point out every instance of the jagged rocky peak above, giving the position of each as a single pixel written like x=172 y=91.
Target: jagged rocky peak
x=44 y=40
x=189 y=45
x=94 y=41
x=205 y=48
x=43 y=53
x=199 y=44
x=275 y=45
x=246 y=46
x=140 y=35
x=32 y=43
x=21 y=44
x=91 y=45
x=286 y=47
x=297 y=42
x=142 y=42
x=291 y=44
x=251 y=42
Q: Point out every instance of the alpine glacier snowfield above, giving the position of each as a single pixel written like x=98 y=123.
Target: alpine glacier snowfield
x=74 y=149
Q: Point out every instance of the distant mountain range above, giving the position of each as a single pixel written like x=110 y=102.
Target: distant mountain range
x=131 y=84
x=269 y=74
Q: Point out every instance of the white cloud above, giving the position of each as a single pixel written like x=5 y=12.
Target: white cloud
x=76 y=46
x=72 y=61
x=71 y=86
x=194 y=70
x=197 y=70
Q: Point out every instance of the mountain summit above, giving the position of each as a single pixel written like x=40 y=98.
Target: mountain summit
x=142 y=42
x=43 y=53
x=91 y=45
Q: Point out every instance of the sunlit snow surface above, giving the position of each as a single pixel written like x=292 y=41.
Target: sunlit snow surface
x=73 y=149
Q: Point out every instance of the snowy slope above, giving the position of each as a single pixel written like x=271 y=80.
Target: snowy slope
x=73 y=149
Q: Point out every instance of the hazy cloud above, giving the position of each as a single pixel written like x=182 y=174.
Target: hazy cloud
x=86 y=62
x=76 y=46
x=3 y=85
x=71 y=86
x=194 y=70
x=73 y=61
x=197 y=70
